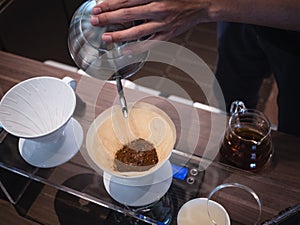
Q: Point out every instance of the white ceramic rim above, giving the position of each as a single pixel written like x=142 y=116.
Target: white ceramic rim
x=203 y=202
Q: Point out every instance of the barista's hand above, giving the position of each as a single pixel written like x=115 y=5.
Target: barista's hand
x=164 y=19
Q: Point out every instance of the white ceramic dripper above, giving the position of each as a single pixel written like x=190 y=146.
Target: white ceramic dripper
x=39 y=111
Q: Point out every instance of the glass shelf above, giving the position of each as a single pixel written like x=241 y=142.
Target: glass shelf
x=76 y=178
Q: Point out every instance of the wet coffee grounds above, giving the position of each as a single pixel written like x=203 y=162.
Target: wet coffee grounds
x=138 y=155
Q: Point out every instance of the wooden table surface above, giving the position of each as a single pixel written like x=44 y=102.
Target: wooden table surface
x=278 y=186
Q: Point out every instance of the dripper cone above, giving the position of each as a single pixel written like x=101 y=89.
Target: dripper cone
x=109 y=133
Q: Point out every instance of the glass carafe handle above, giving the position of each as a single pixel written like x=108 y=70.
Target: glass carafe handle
x=237 y=106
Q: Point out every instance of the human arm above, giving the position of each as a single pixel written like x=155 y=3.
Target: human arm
x=166 y=19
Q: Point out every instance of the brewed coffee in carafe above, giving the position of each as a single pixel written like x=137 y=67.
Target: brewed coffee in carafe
x=247 y=141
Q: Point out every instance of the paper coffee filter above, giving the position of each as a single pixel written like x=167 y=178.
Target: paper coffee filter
x=107 y=135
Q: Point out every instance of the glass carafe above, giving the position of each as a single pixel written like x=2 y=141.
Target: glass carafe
x=247 y=141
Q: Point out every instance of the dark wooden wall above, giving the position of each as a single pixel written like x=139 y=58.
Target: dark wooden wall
x=38 y=29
